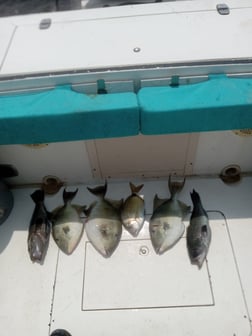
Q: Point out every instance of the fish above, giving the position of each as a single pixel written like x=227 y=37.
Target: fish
x=103 y=226
x=6 y=196
x=198 y=232
x=60 y=332
x=166 y=226
x=133 y=212
x=67 y=226
x=39 y=228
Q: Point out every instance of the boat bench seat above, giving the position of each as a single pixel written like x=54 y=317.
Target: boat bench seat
x=62 y=114
x=220 y=103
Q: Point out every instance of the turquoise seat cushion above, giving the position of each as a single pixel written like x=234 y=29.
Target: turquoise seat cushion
x=62 y=114
x=220 y=103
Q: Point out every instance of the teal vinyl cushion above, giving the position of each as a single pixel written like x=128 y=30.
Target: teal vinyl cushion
x=62 y=114
x=220 y=103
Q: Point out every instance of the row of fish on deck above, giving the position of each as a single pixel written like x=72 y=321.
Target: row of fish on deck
x=105 y=219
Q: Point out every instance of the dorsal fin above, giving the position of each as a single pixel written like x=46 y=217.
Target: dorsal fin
x=38 y=196
x=117 y=204
x=158 y=201
x=185 y=208
x=88 y=210
x=68 y=196
x=99 y=191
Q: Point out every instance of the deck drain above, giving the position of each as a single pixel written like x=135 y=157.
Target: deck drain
x=231 y=174
x=51 y=184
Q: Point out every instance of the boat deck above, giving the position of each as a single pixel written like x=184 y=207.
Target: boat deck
x=135 y=292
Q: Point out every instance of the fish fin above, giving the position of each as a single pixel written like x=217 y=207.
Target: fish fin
x=38 y=196
x=185 y=208
x=195 y=197
x=198 y=207
x=99 y=191
x=158 y=201
x=7 y=170
x=69 y=195
x=79 y=208
x=117 y=204
x=204 y=230
x=88 y=210
x=175 y=186
x=135 y=189
x=54 y=212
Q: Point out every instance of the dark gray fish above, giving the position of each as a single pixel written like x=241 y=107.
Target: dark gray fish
x=6 y=197
x=104 y=226
x=133 y=213
x=166 y=226
x=67 y=227
x=198 y=232
x=39 y=229
x=60 y=332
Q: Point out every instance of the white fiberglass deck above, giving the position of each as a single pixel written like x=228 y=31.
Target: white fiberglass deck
x=135 y=292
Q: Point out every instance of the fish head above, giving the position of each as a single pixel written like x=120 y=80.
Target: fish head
x=165 y=232
x=60 y=332
x=199 y=260
x=35 y=248
x=197 y=253
x=134 y=229
x=132 y=226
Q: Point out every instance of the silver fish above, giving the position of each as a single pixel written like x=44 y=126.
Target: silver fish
x=67 y=227
x=166 y=226
x=39 y=229
x=104 y=226
x=198 y=232
x=133 y=213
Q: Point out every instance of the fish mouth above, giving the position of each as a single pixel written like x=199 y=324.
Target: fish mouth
x=198 y=261
x=160 y=250
x=134 y=232
x=105 y=252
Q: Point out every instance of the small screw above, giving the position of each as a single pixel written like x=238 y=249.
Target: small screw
x=137 y=49
x=143 y=251
x=45 y=23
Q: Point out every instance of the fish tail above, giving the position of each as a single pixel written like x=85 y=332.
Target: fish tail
x=7 y=170
x=135 y=189
x=69 y=195
x=99 y=191
x=175 y=186
x=198 y=209
x=38 y=196
x=195 y=197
